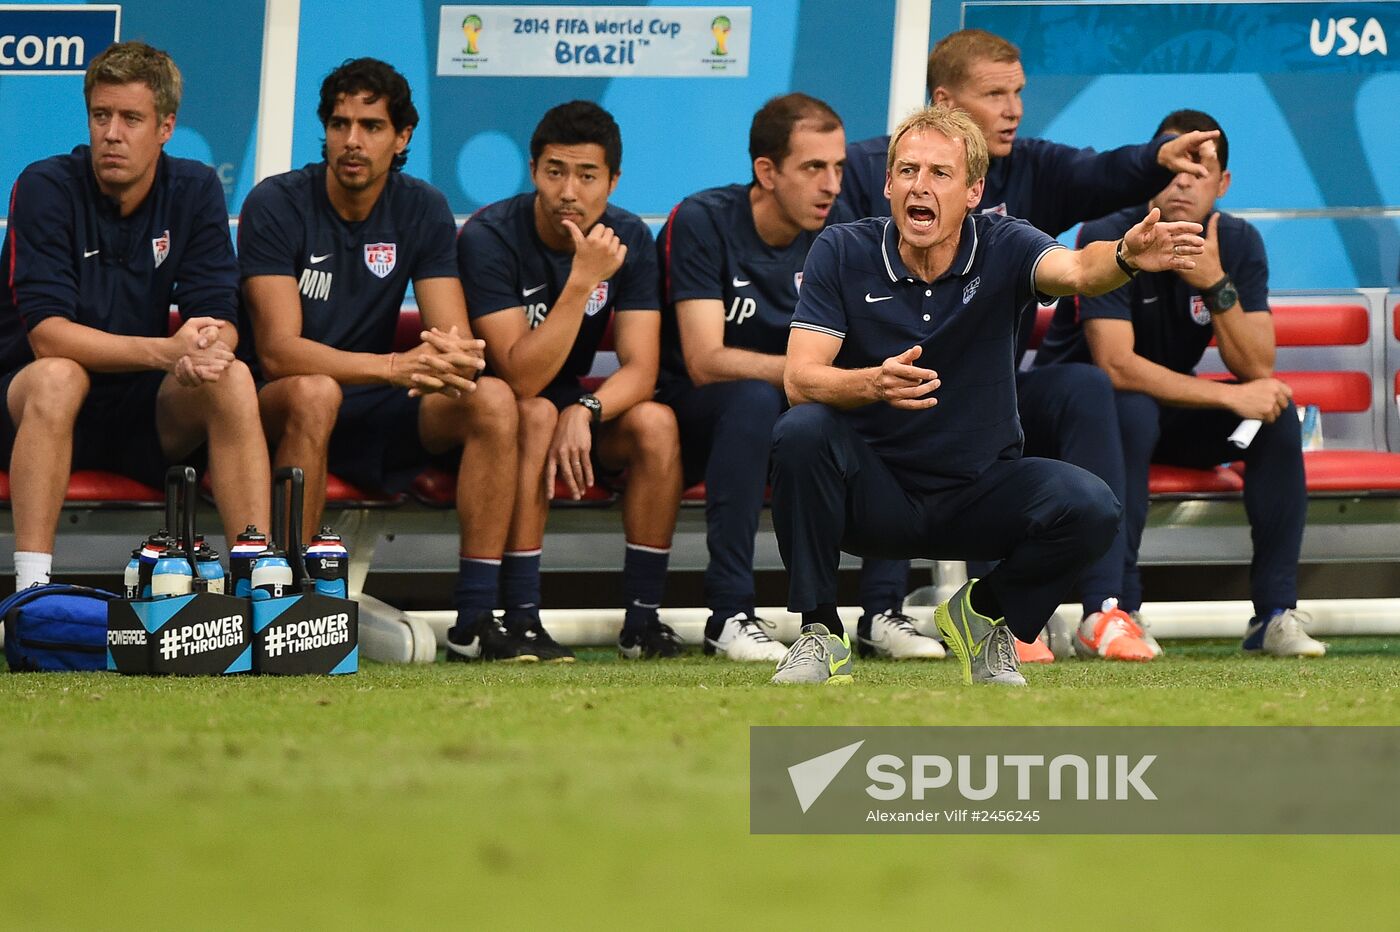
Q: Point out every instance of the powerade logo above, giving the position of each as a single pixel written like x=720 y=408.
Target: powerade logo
x=55 y=39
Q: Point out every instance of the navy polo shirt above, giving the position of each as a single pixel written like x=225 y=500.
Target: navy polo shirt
x=69 y=253
x=710 y=249
x=505 y=265
x=352 y=276
x=1171 y=325
x=1049 y=185
x=855 y=287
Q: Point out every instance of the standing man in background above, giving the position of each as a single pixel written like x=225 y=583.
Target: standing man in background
x=100 y=243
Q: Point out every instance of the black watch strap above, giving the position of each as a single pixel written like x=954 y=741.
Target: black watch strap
x=594 y=406
x=1122 y=261
x=1221 y=296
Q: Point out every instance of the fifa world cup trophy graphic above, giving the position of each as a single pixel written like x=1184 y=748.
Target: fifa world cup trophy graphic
x=471 y=28
x=720 y=28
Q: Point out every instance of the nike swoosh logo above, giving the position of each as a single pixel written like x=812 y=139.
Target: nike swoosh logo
x=740 y=283
x=88 y=254
x=871 y=299
x=315 y=259
x=1151 y=300
x=529 y=291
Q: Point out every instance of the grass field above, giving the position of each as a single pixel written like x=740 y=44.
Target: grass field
x=615 y=795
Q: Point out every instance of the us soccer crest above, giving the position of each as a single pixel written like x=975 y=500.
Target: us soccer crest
x=597 y=300
x=160 y=247
x=380 y=258
x=1199 y=312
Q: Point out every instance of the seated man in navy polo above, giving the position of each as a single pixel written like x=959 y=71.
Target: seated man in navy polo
x=544 y=273
x=732 y=268
x=1053 y=187
x=869 y=460
x=100 y=243
x=1150 y=336
x=327 y=253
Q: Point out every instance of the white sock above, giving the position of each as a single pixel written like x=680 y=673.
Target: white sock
x=32 y=568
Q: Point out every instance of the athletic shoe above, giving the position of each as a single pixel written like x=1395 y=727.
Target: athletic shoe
x=1059 y=637
x=986 y=649
x=1112 y=635
x=525 y=626
x=1283 y=635
x=490 y=640
x=655 y=641
x=744 y=639
x=892 y=634
x=817 y=657
x=464 y=640
x=1036 y=651
x=1147 y=637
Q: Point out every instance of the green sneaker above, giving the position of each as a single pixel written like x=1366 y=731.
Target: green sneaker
x=985 y=649
x=817 y=657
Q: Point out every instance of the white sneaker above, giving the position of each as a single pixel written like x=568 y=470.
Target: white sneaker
x=1059 y=637
x=743 y=639
x=893 y=635
x=1283 y=635
x=1147 y=637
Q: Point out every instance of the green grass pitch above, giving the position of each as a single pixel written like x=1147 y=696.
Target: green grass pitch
x=615 y=795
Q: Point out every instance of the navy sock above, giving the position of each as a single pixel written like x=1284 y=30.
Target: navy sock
x=477 y=581
x=643 y=581
x=520 y=579
x=824 y=615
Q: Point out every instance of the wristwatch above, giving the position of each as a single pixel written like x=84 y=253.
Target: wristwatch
x=1221 y=296
x=1128 y=268
x=594 y=406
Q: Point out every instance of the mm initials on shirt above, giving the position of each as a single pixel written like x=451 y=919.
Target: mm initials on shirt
x=315 y=284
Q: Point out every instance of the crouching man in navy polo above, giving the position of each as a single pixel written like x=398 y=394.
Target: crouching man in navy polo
x=544 y=273
x=100 y=243
x=327 y=253
x=870 y=461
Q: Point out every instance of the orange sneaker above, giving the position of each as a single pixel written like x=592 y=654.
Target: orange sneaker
x=1036 y=651
x=1111 y=634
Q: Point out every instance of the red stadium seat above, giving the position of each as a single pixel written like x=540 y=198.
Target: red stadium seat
x=1349 y=471
x=1320 y=325
x=438 y=489
x=1341 y=392
x=1180 y=481
x=90 y=485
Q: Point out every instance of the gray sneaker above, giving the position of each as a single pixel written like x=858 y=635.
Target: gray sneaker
x=1059 y=637
x=817 y=657
x=1147 y=637
x=1283 y=635
x=985 y=649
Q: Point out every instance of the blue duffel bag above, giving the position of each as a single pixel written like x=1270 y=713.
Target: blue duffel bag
x=56 y=627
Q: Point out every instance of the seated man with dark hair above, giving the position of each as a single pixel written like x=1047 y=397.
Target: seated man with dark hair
x=100 y=242
x=544 y=273
x=327 y=253
x=1149 y=337
x=732 y=268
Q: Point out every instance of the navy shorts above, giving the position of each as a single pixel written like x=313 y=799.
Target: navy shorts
x=116 y=427
x=375 y=443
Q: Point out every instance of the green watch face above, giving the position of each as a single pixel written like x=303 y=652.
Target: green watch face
x=1227 y=298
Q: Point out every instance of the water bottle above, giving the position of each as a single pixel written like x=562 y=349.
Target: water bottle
x=272 y=576
x=328 y=564
x=131 y=579
x=152 y=548
x=211 y=570
x=246 y=549
x=172 y=575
